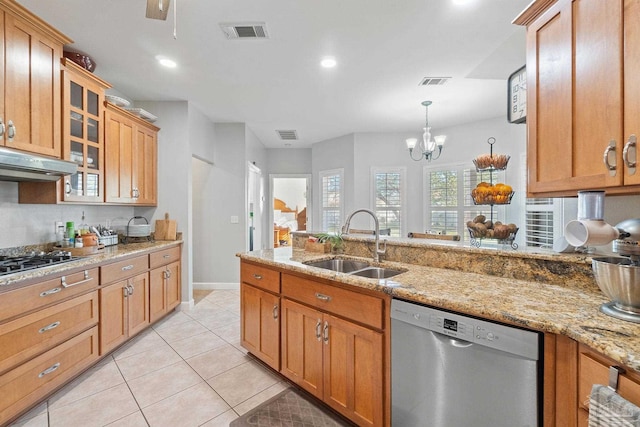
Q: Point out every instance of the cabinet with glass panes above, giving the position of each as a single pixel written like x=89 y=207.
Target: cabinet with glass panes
x=83 y=136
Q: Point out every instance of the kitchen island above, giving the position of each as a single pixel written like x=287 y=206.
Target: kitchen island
x=552 y=293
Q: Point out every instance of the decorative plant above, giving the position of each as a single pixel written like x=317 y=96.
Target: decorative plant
x=335 y=240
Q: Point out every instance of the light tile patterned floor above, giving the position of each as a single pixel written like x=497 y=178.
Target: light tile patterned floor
x=187 y=370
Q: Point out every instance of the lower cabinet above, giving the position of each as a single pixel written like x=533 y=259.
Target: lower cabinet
x=260 y=324
x=165 y=290
x=26 y=384
x=124 y=311
x=336 y=360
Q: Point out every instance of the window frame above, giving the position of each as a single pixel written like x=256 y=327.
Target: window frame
x=402 y=171
x=321 y=175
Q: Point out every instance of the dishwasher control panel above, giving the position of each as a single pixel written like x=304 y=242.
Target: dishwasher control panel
x=461 y=327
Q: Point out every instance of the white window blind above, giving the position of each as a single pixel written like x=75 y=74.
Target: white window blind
x=388 y=187
x=539 y=219
x=331 y=200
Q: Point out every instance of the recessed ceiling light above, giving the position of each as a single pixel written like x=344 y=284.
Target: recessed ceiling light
x=328 y=62
x=166 y=62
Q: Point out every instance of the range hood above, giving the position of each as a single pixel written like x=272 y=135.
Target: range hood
x=19 y=166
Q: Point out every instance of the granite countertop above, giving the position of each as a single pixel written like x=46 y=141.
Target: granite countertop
x=570 y=311
x=109 y=253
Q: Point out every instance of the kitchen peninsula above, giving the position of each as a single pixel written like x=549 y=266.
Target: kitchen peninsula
x=551 y=293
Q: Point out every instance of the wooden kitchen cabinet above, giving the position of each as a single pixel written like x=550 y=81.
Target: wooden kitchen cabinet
x=124 y=305
x=130 y=158
x=260 y=312
x=331 y=351
x=82 y=142
x=30 y=52
x=583 y=97
x=164 y=282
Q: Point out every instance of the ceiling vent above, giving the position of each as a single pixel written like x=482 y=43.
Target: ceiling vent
x=434 y=81
x=288 y=135
x=245 y=30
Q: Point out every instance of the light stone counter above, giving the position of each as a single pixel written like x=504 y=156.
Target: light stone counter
x=108 y=254
x=557 y=308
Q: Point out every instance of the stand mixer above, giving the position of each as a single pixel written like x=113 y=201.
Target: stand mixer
x=619 y=277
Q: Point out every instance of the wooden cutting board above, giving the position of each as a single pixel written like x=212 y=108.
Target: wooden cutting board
x=166 y=229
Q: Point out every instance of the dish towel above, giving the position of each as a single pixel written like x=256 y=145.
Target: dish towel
x=608 y=409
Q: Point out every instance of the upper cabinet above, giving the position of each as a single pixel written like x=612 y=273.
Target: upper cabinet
x=583 y=96
x=83 y=134
x=30 y=52
x=131 y=146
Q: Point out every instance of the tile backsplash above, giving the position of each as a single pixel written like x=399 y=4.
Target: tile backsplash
x=22 y=224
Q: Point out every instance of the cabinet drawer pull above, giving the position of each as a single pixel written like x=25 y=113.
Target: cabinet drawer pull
x=67 y=187
x=85 y=280
x=127 y=267
x=1 y=127
x=323 y=297
x=49 y=370
x=318 y=333
x=50 y=292
x=611 y=147
x=11 y=130
x=631 y=165
x=49 y=327
x=257 y=276
x=325 y=332
x=275 y=312
x=165 y=256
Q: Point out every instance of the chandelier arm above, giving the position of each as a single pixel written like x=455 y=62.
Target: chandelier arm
x=413 y=158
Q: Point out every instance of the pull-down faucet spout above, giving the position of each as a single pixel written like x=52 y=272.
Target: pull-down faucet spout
x=345 y=230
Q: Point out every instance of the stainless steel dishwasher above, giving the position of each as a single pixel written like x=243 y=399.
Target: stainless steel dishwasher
x=450 y=370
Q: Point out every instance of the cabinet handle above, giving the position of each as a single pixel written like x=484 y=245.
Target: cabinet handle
x=127 y=267
x=318 y=333
x=67 y=187
x=165 y=256
x=49 y=370
x=611 y=147
x=131 y=289
x=50 y=292
x=168 y=272
x=631 y=166
x=1 y=127
x=323 y=297
x=325 y=333
x=275 y=312
x=125 y=291
x=86 y=279
x=49 y=327
x=11 y=130
x=257 y=277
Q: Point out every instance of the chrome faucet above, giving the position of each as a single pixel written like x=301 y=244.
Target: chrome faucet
x=345 y=230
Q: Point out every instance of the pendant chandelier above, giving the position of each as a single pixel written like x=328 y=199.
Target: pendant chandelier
x=430 y=146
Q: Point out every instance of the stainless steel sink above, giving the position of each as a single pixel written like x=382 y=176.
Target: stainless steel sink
x=339 y=265
x=376 y=273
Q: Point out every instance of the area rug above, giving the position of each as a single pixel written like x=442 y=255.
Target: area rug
x=288 y=408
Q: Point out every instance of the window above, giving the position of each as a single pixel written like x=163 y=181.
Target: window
x=539 y=216
x=388 y=196
x=331 y=199
x=449 y=202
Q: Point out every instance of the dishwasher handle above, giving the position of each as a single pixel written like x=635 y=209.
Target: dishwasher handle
x=454 y=342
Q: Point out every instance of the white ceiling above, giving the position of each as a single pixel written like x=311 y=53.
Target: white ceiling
x=384 y=48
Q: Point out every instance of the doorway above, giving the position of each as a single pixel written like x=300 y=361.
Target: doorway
x=255 y=208
x=290 y=206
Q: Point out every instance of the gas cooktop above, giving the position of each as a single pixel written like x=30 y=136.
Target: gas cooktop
x=18 y=264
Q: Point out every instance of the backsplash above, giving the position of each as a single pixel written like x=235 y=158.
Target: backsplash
x=22 y=225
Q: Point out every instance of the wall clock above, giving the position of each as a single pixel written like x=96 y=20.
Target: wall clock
x=517 y=96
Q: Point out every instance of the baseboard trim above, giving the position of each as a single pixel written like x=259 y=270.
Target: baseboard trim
x=210 y=286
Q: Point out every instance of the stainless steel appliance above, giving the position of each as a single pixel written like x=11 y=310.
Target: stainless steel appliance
x=450 y=370
x=18 y=166
x=21 y=263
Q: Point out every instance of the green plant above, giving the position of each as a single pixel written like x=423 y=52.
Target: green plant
x=335 y=240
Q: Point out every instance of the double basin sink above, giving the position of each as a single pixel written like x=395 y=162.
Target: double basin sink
x=355 y=268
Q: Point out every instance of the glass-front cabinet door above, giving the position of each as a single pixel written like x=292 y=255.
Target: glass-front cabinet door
x=83 y=98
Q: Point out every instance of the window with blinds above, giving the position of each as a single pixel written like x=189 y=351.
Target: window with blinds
x=331 y=196
x=539 y=219
x=388 y=185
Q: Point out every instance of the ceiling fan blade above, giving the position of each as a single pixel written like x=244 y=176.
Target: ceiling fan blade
x=157 y=9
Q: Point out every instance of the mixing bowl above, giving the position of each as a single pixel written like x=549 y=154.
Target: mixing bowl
x=619 y=280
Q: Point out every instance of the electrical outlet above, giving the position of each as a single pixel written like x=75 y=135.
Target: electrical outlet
x=59 y=227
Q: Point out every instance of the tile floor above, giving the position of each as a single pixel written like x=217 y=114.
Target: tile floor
x=186 y=370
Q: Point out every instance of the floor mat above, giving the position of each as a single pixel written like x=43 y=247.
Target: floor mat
x=288 y=408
